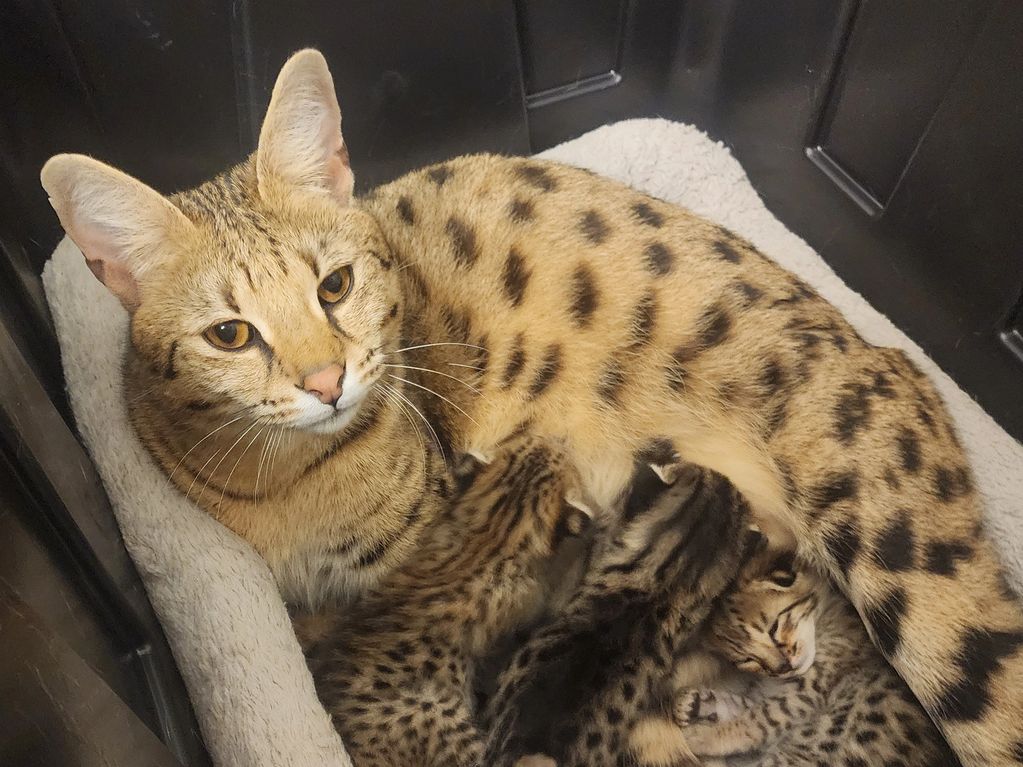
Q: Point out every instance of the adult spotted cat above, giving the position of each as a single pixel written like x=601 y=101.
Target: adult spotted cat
x=285 y=335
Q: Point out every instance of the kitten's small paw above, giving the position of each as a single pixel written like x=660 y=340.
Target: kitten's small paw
x=695 y=707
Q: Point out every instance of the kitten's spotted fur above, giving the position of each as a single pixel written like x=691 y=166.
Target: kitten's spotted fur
x=846 y=706
x=396 y=668
x=593 y=314
x=588 y=686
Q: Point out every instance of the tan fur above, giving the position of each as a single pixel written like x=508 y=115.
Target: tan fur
x=658 y=742
x=625 y=320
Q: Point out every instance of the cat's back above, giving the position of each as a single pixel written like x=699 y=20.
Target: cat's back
x=510 y=233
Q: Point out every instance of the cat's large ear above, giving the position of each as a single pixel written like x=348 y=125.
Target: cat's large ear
x=300 y=142
x=123 y=227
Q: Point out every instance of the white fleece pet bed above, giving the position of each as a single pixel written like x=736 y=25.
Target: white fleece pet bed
x=227 y=626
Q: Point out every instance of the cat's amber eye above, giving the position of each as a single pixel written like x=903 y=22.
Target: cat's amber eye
x=335 y=285
x=232 y=335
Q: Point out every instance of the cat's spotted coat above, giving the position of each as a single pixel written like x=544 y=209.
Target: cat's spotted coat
x=589 y=313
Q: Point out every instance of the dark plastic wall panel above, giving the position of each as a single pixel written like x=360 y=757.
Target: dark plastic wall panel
x=893 y=74
x=569 y=41
x=945 y=260
x=417 y=83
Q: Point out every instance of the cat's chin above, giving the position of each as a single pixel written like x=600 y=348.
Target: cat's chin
x=334 y=422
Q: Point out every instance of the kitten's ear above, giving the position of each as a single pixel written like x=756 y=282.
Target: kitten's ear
x=123 y=227
x=300 y=142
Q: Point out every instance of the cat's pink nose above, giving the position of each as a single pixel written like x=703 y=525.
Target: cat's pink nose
x=325 y=384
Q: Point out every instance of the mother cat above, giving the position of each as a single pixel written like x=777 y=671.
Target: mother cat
x=284 y=335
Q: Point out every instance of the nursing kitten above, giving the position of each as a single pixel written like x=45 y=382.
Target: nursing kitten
x=396 y=668
x=589 y=687
x=285 y=337
x=818 y=692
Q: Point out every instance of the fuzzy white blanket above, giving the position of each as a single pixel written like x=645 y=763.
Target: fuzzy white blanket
x=227 y=626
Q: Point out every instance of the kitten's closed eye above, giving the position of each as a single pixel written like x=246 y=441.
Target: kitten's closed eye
x=783 y=578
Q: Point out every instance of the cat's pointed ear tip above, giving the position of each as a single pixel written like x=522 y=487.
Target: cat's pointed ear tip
x=307 y=60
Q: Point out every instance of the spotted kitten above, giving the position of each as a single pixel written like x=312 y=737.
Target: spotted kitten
x=818 y=693
x=287 y=340
x=396 y=668
x=589 y=685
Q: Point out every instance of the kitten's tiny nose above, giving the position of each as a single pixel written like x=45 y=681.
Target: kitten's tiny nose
x=325 y=384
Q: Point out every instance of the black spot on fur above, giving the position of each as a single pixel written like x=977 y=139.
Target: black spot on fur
x=715 y=325
x=659 y=258
x=439 y=174
x=909 y=450
x=549 y=368
x=940 y=557
x=772 y=378
x=885 y=619
x=463 y=242
x=926 y=419
x=894 y=546
x=647 y=215
x=1017 y=752
x=593 y=227
x=980 y=657
x=521 y=210
x=727 y=251
x=516 y=361
x=515 y=277
x=843 y=545
x=751 y=293
x=393 y=312
x=950 y=484
x=853 y=412
x=405 y=211
x=675 y=372
x=169 y=371
x=644 y=318
x=199 y=405
x=882 y=387
x=611 y=381
x=584 y=296
x=834 y=489
x=537 y=176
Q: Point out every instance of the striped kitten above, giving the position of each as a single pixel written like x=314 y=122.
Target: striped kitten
x=591 y=687
x=816 y=692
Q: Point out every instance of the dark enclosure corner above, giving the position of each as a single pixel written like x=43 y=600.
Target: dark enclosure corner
x=889 y=135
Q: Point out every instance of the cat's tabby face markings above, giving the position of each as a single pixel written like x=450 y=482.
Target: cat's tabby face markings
x=243 y=289
x=767 y=624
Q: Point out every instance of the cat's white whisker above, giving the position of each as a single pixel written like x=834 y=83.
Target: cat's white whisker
x=436 y=438
x=435 y=394
x=467 y=385
x=263 y=455
x=439 y=343
x=223 y=493
x=460 y=365
x=209 y=476
x=408 y=417
x=193 y=447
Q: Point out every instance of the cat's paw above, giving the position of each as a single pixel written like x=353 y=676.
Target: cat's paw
x=706 y=707
x=695 y=707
